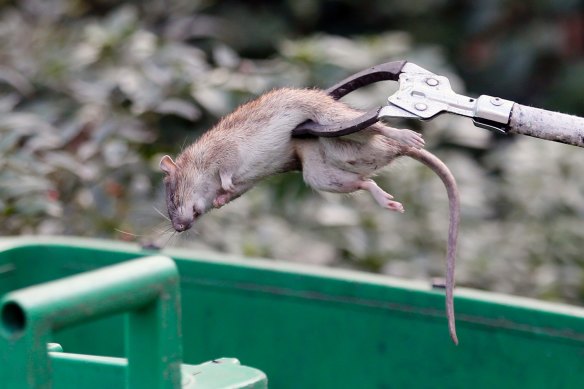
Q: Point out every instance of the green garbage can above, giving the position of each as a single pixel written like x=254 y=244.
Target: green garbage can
x=308 y=327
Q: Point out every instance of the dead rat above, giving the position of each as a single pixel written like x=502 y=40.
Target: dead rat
x=255 y=142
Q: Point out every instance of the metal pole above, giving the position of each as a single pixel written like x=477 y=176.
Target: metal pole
x=548 y=125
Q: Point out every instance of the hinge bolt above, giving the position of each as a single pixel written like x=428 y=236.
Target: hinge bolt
x=432 y=81
x=496 y=101
x=421 y=106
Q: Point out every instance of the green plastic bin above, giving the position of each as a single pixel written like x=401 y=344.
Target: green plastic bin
x=309 y=327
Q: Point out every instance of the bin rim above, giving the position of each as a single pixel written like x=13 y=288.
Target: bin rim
x=205 y=256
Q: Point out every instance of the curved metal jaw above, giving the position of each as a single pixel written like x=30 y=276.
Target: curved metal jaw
x=389 y=71
x=421 y=95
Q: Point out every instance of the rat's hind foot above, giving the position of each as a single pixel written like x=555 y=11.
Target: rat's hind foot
x=406 y=137
x=383 y=198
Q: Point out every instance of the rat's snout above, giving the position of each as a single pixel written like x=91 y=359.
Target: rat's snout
x=181 y=224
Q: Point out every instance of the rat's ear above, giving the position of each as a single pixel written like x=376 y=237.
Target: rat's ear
x=167 y=165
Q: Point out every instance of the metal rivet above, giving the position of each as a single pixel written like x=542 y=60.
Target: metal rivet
x=421 y=106
x=432 y=81
x=496 y=101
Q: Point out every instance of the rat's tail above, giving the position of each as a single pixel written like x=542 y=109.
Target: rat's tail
x=447 y=178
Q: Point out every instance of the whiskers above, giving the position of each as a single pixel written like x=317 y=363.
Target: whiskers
x=160 y=236
x=129 y=234
x=171 y=237
x=161 y=213
x=164 y=234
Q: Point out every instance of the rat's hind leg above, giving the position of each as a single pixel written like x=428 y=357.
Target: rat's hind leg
x=406 y=137
x=325 y=178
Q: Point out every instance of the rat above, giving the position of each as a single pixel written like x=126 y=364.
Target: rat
x=255 y=142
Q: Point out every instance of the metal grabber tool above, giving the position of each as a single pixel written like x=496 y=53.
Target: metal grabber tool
x=424 y=95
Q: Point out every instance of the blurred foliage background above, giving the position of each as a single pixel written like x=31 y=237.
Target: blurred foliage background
x=93 y=93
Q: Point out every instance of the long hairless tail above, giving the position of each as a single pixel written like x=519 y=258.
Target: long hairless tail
x=447 y=178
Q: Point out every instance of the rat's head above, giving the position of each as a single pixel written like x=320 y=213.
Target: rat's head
x=189 y=192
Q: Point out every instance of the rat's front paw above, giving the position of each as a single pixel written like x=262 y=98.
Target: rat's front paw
x=221 y=200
